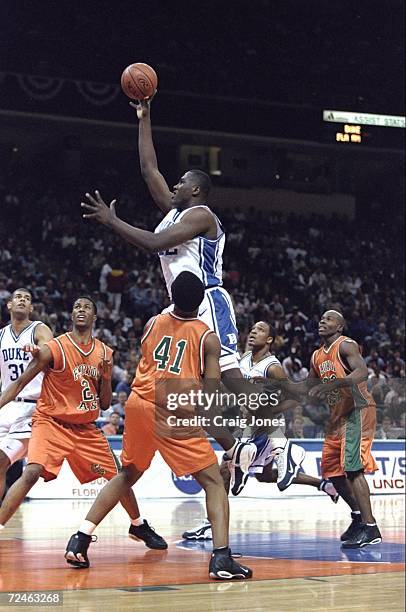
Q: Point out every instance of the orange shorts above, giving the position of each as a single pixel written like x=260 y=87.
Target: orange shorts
x=141 y=441
x=349 y=450
x=83 y=446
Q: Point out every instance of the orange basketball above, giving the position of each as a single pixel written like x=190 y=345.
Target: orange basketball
x=139 y=81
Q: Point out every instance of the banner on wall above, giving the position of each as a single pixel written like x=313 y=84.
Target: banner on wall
x=160 y=482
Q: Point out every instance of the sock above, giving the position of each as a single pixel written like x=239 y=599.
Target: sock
x=370 y=524
x=2 y=527
x=231 y=450
x=137 y=522
x=356 y=514
x=87 y=527
x=221 y=549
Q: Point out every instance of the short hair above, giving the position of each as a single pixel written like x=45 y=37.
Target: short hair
x=20 y=289
x=87 y=297
x=272 y=330
x=187 y=292
x=203 y=180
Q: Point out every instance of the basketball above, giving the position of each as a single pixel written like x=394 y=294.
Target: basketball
x=139 y=81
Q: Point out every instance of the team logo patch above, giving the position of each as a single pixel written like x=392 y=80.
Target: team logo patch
x=97 y=469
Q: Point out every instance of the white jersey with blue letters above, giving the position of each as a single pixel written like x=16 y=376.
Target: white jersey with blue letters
x=204 y=258
x=201 y=256
x=277 y=439
x=15 y=417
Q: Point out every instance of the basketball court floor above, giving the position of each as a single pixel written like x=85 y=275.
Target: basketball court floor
x=292 y=545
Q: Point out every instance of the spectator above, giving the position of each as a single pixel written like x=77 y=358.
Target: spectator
x=113 y=426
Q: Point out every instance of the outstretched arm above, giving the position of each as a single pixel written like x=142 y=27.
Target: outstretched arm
x=156 y=183
x=41 y=335
x=37 y=365
x=196 y=222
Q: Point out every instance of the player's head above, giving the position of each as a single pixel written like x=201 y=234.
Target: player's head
x=19 y=304
x=84 y=312
x=262 y=334
x=331 y=322
x=193 y=187
x=187 y=293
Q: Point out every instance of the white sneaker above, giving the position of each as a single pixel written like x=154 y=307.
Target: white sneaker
x=288 y=463
x=202 y=532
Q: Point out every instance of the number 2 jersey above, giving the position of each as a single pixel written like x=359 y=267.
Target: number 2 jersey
x=70 y=389
x=14 y=361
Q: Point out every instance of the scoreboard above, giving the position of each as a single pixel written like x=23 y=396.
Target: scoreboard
x=359 y=129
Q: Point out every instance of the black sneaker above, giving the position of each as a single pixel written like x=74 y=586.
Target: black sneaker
x=353 y=528
x=78 y=545
x=223 y=567
x=148 y=535
x=366 y=534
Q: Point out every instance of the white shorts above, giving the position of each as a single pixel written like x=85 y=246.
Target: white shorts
x=15 y=429
x=217 y=312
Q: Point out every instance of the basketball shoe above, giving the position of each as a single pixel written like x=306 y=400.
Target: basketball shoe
x=76 y=550
x=202 y=532
x=328 y=488
x=223 y=567
x=288 y=463
x=364 y=536
x=243 y=457
x=148 y=535
x=353 y=527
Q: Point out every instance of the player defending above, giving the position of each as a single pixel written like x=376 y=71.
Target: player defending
x=15 y=418
x=76 y=385
x=258 y=364
x=177 y=348
x=347 y=446
x=190 y=237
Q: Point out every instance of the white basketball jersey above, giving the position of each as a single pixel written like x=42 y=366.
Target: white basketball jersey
x=14 y=361
x=250 y=369
x=199 y=255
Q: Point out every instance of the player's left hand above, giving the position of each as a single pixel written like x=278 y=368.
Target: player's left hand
x=106 y=368
x=98 y=209
x=34 y=349
x=320 y=391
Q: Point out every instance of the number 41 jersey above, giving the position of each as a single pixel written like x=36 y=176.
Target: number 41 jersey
x=172 y=357
x=14 y=361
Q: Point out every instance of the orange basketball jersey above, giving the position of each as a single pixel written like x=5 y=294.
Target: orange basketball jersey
x=70 y=390
x=328 y=365
x=172 y=349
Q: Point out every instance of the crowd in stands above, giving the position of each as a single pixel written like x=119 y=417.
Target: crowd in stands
x=278 y=268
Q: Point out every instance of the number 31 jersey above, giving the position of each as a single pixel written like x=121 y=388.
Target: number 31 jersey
x=14 y=361
x=70 y=391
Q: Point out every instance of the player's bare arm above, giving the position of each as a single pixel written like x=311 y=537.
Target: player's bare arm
x=197 y=222
x=350 y=354
x=212 y=373
x=156 y=183
x=42 y=335
x=276 y=372
x=37 y=365
x=105 y=393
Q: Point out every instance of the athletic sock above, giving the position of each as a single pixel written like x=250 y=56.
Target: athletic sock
x=137 y=522
x=231 y=450
x=87 y=527
x=370 y=524
x=220 y=549
x=355 y=514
